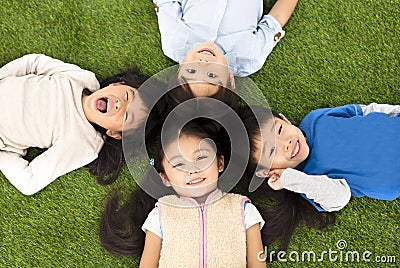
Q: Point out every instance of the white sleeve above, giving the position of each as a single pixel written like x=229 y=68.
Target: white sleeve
x=172 y=30
x=20 y=67
x=39 y=64
x=390 y=110
x=31 y=177
x=252 y=216
x=330 y=194
x=152 y=223
x=175 y=31
x=269 y=32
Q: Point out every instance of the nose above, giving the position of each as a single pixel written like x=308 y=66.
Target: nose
x=285 y=144
x=201 y=57
x=119 y=104
x=190 y=172
x=192 y=169
x=288 y=144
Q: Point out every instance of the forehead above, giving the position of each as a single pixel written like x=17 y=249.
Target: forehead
x=203 y=89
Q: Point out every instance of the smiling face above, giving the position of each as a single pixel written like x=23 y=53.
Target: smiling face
x=290 y=148
x=191 y=167
x=206 y=52
x=205 y=69
x=107 y=106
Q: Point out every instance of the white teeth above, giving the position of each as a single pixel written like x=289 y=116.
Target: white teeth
x=195 y=181
x=207 y=52
x=108 y=105
x=296 y=151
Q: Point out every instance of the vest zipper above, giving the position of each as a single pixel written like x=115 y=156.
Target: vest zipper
x=203 y=240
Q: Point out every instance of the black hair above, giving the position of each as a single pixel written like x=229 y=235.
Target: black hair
x=288 y=208
x=110 y=161
x=120 y=226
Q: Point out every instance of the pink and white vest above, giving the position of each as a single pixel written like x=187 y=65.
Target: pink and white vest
x=207 y=235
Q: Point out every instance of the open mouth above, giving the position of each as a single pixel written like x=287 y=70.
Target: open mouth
x=196 y=181
x=207 y=51
x=296 y=150
x=103 y=105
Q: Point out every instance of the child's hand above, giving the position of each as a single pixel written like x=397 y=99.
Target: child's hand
x=274 y=179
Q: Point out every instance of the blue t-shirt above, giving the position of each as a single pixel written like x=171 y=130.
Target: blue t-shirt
x=364 y=150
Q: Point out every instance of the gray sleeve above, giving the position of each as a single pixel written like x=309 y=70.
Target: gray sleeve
x=330 y=194
x=390 y=110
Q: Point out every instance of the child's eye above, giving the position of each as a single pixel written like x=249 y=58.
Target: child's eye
x=280 y=129
x=126 y=116
x=202 y=157
x=191 y=71
x=272 y=151
x=212 y=75
x=177 y=165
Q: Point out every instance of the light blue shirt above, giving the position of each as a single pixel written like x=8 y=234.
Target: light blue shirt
x=238 y=27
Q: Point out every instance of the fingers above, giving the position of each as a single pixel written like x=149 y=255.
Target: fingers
x=277 y=172
x=274 y=182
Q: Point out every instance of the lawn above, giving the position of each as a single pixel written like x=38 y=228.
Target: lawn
x=334 y=53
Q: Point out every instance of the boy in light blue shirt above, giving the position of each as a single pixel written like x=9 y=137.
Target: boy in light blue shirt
x=237 y=27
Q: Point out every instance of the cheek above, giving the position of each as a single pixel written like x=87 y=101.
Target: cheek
x=188 y=57
x=279 y=161
x=114 y=123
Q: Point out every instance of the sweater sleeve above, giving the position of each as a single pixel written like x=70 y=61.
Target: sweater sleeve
x=20 y=67
x=39 y=64
x=330 y=194
x=31 y=177
x=390 y=110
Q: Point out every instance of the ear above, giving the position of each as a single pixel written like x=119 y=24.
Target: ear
x=284 y=118
x=221 y=163
x=232 y=78
x=165 y=179
x=114 y=134
x=262 y=173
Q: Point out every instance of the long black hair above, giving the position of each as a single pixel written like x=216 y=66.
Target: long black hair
x=120 y=226
x=110 y=161
x=287 y=209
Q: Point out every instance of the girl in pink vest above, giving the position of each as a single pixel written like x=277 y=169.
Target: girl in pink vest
x=196 y=225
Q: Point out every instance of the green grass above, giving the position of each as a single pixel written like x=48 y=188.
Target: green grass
x=334 y=52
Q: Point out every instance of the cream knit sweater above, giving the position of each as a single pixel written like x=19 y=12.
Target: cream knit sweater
x=41 y=107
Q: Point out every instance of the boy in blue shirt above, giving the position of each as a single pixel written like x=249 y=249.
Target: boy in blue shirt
x=335 y=153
